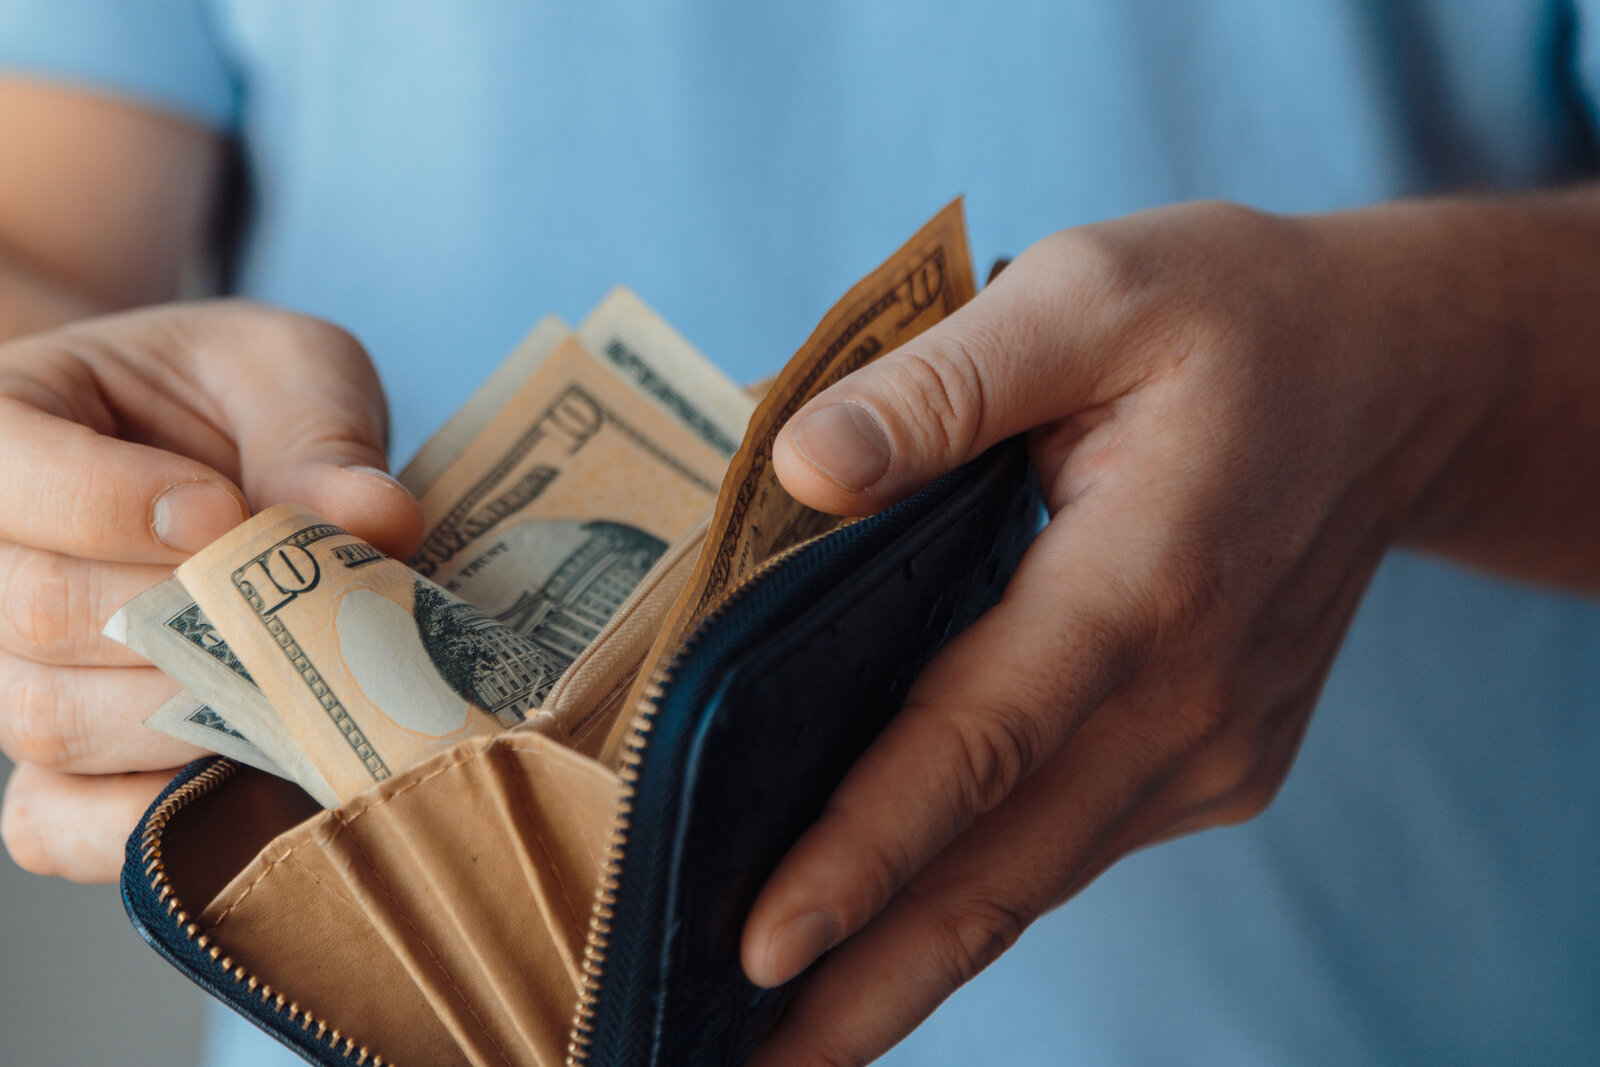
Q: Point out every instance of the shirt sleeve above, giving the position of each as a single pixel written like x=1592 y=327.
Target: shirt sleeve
x=164 y=53
x=1582 y=31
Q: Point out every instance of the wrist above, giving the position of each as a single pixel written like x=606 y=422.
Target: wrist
x=1424 y=324
x=1488 y=310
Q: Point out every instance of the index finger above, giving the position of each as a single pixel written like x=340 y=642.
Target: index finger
x=65 y=488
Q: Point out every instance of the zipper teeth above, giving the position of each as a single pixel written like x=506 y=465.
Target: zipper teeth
x=598 y=940
x=155 y=869
x=580 y=1039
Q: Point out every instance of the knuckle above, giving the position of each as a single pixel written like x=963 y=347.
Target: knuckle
x=995 y=748
x=1247 y=800
x=1230 y=769
x=1101 y=271
x=353 y=407
x=1255 y=796
x=1199 y=729
x=1233 y=779
x=293 y=335
x=326 y=339
x=21 y=836
x=972 y=935
x=312 y=338
x=940 y=386
x=1136 y=291
x=879 y=866
x=884 y=868
x=42 y=606
x=35 y=727
x=87 y=507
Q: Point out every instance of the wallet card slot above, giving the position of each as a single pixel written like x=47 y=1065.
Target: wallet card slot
x=425 y=935
x=156 y=904
x=476 y=875
x=445 y=909
x=326 y=954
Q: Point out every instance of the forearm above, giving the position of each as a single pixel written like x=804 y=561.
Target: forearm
x=103 y=203
x=31 y=301
x=1494 y=306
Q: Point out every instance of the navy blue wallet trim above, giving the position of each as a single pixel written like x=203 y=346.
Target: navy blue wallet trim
x=770 y=702
x=158 y=917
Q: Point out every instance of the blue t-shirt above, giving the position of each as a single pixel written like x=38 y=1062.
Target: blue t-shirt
x=436 y=176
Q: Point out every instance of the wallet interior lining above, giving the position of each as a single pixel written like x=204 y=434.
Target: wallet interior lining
x=374 y=914
x=386 y=895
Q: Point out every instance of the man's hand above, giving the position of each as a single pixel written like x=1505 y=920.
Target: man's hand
x=130 y=442
x=1233 y=417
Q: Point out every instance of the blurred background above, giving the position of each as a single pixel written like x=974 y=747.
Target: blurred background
x=64 y=946
x=1421 y=892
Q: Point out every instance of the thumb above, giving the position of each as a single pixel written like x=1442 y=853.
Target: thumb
x=308 y=415
x=989 y=371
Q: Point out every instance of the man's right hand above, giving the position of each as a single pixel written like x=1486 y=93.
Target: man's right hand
x=129 y=442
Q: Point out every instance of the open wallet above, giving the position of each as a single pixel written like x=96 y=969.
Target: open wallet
x=538 y=897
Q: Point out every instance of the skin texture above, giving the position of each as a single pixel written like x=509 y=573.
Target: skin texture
x=130 y=441
x=133 y=440
x=1233 y=415
x=103 y=205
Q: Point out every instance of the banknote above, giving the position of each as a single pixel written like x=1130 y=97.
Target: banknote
x=447 y=444
x=755 y=518
x=644 y=349
x=370 y=666
x=165 y=626
x=548 y=521
x=544 y=590
x=583 y=699
x=188 y=718
x=926 y=280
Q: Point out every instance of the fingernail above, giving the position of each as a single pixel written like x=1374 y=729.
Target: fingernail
x=845 y=443
x=189 y=517
x=798 y=943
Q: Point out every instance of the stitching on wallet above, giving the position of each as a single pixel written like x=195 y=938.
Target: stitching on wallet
x=343 y=822
x=304 y=869
x=527 y=810
x=356 y=841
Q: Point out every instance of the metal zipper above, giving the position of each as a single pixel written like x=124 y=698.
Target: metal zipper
x=155 y=870
x=580 y=1037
